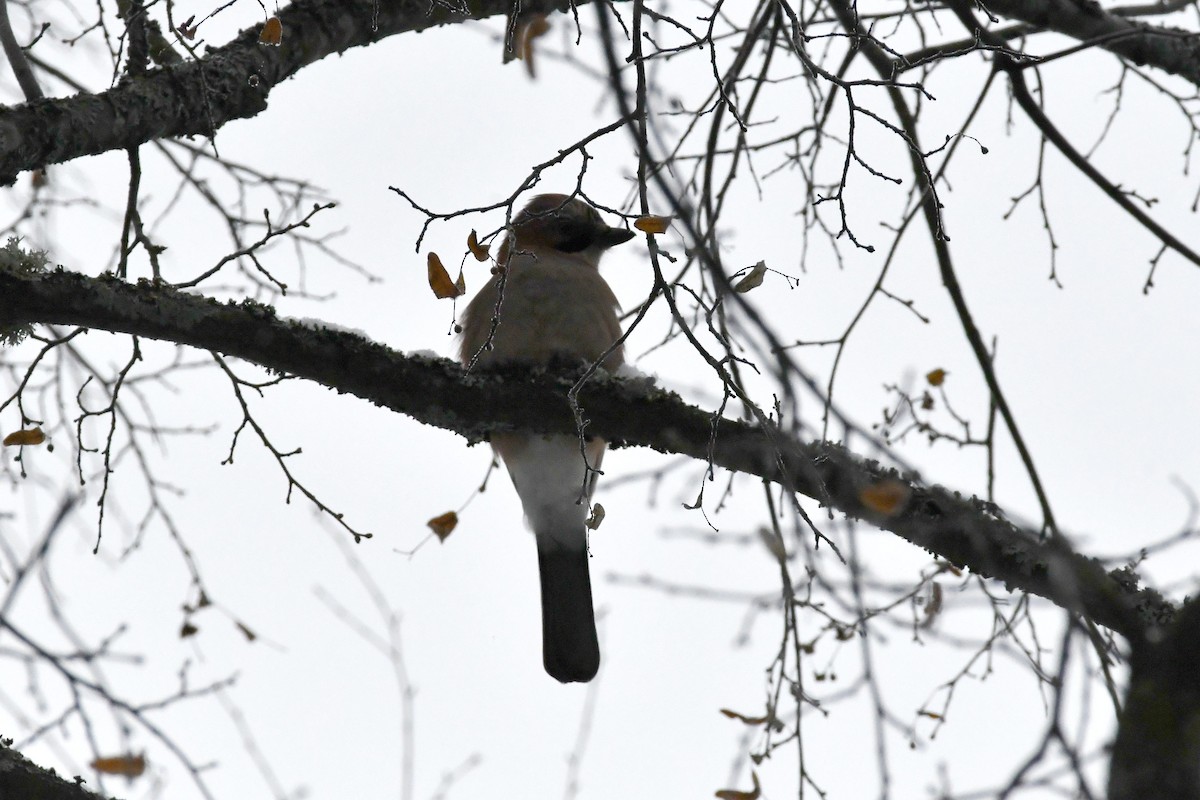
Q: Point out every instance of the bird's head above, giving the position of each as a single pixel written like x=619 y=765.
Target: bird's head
x=563 y=224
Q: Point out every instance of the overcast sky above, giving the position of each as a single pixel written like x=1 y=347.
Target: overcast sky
x=1098 y=372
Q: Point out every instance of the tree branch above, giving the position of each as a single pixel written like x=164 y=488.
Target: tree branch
x=1157 y=751
x=1031 y=108
x=966 y=532
x=233 y=81
x=1172 y=50
x=230 y=82
x=20 y=777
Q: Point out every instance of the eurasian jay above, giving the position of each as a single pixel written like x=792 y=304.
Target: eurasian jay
x=554 y=303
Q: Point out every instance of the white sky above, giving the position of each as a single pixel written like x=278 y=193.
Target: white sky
x=1098 y=374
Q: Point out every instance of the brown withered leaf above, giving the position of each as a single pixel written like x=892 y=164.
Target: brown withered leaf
x=439 y=279
x=535 y=26
x=443 y=525
x=737 y=794
x=753 y=279
x=946 y=566
x=936 y=377
x=743 y=718
x=595 y=518
x=272 y=32
x=245 y=629
x=652 y=224
x=933 y=605
x=129 y=765
x=480 y=251
x=886 y=497
x=187 y=630
x=29 y=436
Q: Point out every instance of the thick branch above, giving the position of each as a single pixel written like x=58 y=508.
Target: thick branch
x=229 y=82
x=1170 y=49
x=233 y=81
x=1157 y=752
x=20 y=777
x=966 y=532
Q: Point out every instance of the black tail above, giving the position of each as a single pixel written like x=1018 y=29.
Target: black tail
x=570 y=650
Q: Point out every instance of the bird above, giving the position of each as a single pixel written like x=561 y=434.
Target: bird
x=549 y=302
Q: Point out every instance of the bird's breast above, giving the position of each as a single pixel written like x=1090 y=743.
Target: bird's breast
x=554 y=309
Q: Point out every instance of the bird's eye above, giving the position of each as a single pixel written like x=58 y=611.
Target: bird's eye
x=574 y=235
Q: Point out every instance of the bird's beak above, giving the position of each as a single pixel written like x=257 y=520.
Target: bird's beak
x=610 y=237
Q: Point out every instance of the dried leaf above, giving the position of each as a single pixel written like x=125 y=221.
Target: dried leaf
x=443 y=525
x=25 y=437
x=249 y=634
x=752 y=279
x=736 y=794
x=742 y=717
x=535 y=26
x=129 y=765
x=772 y=542
x=936 y=377
x=480 y=251
x=186 y=29
x=933 y=606
x=652 y=224
x=595 y=518
x=886 y=497
x=187 y=630
x=272 y=32
x=439 y=279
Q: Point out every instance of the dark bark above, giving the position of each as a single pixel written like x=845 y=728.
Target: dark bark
x=1157 y=752
x=965 y=531
x=21 y=779
x=196 y=98
x=1171 y=50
